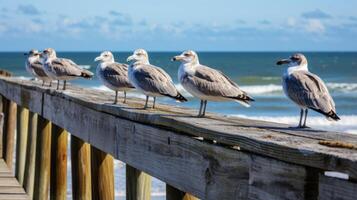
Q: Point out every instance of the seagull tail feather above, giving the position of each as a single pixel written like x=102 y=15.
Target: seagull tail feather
x=86 y=74
x=329 y=115
x=180 y=98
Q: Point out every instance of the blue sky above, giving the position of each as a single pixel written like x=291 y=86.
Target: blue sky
x=159 y=25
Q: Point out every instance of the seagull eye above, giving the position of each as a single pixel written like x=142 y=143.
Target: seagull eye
x=186 y=54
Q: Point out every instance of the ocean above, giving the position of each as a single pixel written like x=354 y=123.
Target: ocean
x=255 y=72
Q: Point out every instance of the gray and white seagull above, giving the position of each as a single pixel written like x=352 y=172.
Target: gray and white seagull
x=112 y=74
x=149 y=79
x=306 y=89
x=34 y=66
x=206 y=83
x=61 y=68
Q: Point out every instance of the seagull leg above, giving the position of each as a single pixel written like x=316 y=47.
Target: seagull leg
x=116 y=97
x=153 y=105
x=43 y=82
x=146 y=102
x=64 y=84
x=124 y=97
x=57 y=84
x=304 y=125
x=301 y=116
x=200 y=111
x=204 y=108
x=50 y=84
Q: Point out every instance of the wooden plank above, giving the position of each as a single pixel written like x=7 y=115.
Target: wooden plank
x=13 y=197
x=102 y=175
x=1 y=130
x=275 y=180
x=138 y=184
x=29 y=175
x=173 y=193
x=333 y=188
x=264 y=138
x=21 y=142
x=9 y=134
x=81 y=169
x=43 y=159
x=58 y=189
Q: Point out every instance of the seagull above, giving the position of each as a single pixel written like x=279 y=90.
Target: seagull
x=306 y=89
x=62 y=68
x=206 y=83
x=35 y=67
x=149 y=79
x=112 y=74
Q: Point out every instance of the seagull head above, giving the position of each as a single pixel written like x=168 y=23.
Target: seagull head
x=48 y=53
x=33 y=53
x=187 y=57
x=105 y=56
x=139 y=55
x=295 y=60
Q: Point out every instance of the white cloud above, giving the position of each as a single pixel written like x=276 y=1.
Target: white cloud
x=291 y=22
x=315 y=26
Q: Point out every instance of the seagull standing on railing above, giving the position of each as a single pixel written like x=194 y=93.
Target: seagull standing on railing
x=112 y=74
x=35 y=67
x=208 y=84
x=306 y=89
x=62 y=68
x=151 y=80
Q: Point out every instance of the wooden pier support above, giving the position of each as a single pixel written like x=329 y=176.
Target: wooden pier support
x=173 y=193
x=138 y=184
x=81 y=169
x=43 y=159
x=58 y=189
x=9 y=131
x=102 y=175
x=29 y=175
x=21 y=142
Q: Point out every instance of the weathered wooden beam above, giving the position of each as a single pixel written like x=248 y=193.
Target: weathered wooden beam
x=336 y=189
x=43 y=159
x=81 y=169
x=9 y=133
x=173 y=193
x=29 y=175
x=102 y=175
x=21 y=142
x=58 y=189
x=270 y=179
x=138 y=184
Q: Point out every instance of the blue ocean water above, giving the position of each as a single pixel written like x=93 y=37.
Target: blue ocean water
x=255 y=72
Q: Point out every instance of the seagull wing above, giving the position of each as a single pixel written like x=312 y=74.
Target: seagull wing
x=38 y=69
x=117 y=75
x=65 y=67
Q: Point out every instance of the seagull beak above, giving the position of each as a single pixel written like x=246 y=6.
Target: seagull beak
x=177 y=58
x=283 y=61
x=130 y=58
x=98 y=59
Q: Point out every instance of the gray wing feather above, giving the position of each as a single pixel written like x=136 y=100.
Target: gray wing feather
x=38 y=69
x=154 y=79
x=214 y=83
x=117 y=75
x=65 y=67
x=307 y=89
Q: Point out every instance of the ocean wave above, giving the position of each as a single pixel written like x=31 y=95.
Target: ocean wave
x=342 y=87
x=262 y=89
x=348 y=123
x=85 y=66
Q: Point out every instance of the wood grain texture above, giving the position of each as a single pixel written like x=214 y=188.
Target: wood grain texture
x=21 y=142
x=336 y=189
x=29 y=175
x=275 y=180
x=81 y=169
x=102 y=175
x=43 y=159
x=2 y=116
x=138 y=184
x=58 y=189
x=9 y=134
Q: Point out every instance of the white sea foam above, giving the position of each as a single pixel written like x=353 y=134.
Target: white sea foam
x=262 y=89
x=348 y=123
x=343 y=87
x=85 y=66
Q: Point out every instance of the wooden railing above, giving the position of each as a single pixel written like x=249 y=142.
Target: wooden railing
x=209 y=158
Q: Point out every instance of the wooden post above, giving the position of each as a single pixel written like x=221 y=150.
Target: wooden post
x=173 y=193
x=138 y=184
x=9 y=133
x=29 y=175
x=102 y=175
x=81 y=169
x=21 y=142
x=43 y=159
x=58 y=189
